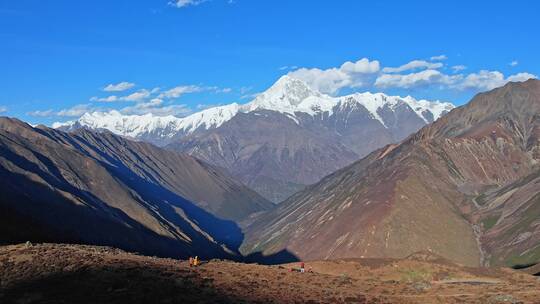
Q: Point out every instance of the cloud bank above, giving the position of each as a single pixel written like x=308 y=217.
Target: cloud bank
x=420 y=73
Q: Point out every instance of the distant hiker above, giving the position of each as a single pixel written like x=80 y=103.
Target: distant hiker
x=190 y=262
x=196 y=261
x=302 y=267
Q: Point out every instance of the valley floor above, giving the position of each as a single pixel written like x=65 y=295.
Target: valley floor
x=54 y=273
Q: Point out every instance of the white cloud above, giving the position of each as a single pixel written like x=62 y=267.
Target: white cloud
x=137 y=96
x=362 y=66
x=157 y=106
x=416 y=73
x=207 y=106
x=521 y=77
x=244 y=90
x=488 y=80
x=288 y=67
x=74 y=111
x=349 y=74
x=458 y=68
x=483 y=80
x=185 y=3
x=179 y=91
x=40 y=113
x=215 y=89
x=438 y=58
x=119 y=87
x=250 y=96
x=326 y=81
x=111 y=98
x=413 y=65
x=514 y=63
x=3 y=109
x=422 y=78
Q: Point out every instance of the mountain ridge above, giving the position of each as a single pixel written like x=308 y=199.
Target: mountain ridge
x=288 y=95
x=99 y=188
x=409 y=196
x=286 y=138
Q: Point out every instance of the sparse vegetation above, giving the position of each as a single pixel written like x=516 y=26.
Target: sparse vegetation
x=530 y=257
x=416 y=275
x=88 y=274
x=489 y=222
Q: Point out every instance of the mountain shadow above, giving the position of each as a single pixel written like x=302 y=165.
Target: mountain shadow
x=101 y=189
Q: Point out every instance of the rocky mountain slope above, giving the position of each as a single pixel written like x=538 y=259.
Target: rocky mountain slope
x=99 y=188
x=510 y=217
x=426 y=192
x=287 y=137
x=55 y=273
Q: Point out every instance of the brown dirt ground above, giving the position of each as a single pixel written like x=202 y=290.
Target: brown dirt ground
x=53 y=273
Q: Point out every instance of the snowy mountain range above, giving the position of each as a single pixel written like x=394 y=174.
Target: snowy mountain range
x=286 y=138
x=288 y=96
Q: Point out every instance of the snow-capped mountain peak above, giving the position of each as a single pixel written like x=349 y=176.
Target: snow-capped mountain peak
x=209 y=118
x=428 y=111
x=372 y=102
x=288 y=96
x=286 y=91
x=422 y=107
x=125 y=125
x=164 y=126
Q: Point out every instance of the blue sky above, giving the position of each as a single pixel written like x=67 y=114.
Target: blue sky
x=58 y=57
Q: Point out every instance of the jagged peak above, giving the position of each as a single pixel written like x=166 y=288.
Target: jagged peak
x=287 y=92
x=291 y=95
x=374 y=101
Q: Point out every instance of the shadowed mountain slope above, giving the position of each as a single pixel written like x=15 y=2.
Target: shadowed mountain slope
x=103 y=189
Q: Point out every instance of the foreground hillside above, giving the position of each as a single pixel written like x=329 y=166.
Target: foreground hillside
x=85 y=274
x=465 y=187
x=102 y=189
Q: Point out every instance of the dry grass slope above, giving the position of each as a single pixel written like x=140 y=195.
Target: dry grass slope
x=47 y=273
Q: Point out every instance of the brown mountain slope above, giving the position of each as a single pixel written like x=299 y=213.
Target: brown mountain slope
x=416 y=195
x=103 y=189
x=511 y=218
x=200 y=183
x=56 y=273
x=269 y=152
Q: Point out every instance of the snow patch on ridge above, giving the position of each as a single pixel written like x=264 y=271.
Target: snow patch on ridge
x=437 y=108
x=209 y=118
